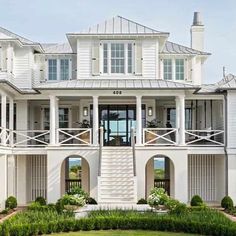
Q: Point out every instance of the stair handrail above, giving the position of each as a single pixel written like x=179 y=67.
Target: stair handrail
x=133 y=149
x=100 y=150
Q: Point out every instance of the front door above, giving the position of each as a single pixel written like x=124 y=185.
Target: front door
x=117 y=121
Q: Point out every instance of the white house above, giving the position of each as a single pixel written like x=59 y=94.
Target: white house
x=117 y=76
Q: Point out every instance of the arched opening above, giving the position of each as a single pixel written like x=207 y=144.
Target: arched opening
x=160 y=174
x=75 y=172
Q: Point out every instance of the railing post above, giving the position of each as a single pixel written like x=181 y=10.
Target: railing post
x=138 y=120
x=11 y=121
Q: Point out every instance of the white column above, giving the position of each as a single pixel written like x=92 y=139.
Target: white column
x=11 y=178
x=3 y=177
x=180 y=119
x=11 y=118
x=95 y=120
x=138 y=120
x=4 y=117
x=53 y=119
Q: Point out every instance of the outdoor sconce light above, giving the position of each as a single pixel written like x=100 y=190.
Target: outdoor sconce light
x=85 y=111
x=150 y=111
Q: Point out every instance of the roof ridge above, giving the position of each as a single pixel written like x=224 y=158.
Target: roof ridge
x=10 y=33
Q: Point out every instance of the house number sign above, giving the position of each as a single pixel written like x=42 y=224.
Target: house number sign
x=117 y=92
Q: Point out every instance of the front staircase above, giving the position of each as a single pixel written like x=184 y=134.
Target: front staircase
x=117 y=183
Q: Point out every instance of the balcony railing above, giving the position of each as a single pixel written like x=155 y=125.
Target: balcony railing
x=75 y=136
x=31 y=138
x=72 y=183
x=159 y=136
x=162 y=183
x=204 y=137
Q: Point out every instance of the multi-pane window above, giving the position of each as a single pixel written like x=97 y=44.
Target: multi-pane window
x=46 y=119
x=105 y=58
x=130 y=58
x=117 y=58
x=167 y=69
x=52 y=69
x=179 y=69
x=63 y=117
x=64 y=69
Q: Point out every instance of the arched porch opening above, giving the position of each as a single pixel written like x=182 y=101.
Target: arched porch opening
x=160 y=173
x=75 y=172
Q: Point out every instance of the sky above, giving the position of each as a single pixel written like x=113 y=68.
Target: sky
x=49 y=20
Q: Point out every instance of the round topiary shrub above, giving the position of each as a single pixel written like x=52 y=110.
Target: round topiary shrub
x=142 y=201
x=196 y=201
x=11 y=202
x=227 y=203
x=41 y=201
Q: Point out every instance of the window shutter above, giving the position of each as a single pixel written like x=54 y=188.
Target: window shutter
x=95 y=59
x=4 y=59
x=138 y=58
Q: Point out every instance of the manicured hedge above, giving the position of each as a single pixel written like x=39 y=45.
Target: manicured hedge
x=132 y=223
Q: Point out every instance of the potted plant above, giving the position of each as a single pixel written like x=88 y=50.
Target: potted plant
x=158 y=198
x=84 y=136
x=148 y=135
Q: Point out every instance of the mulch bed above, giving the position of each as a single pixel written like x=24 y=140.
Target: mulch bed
x=9 y=214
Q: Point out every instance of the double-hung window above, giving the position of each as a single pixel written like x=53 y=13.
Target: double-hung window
x=167 y=69
x=179 y=69
x=117 y=58
x=64 y=69
x=63 y=117
x=52 y=69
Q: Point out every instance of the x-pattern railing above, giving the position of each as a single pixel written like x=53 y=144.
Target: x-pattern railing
x=5 y=136
x=75 y=136
x=159 y=136
x=204 y=137
x=31 y=138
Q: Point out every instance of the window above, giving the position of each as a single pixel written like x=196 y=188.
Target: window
x=46 y=119
x=117 y=58
x=130 y=58
x=63 y=117
x=179 y=69
x=105 y=58
x=167 y=69
x=52 y=69
x=64 y=69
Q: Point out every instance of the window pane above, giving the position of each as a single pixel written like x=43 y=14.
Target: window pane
x=179 y=69
x=64 y=69
x=167 y=69
x=63 y=117
x=117 y=58
x=52 y=69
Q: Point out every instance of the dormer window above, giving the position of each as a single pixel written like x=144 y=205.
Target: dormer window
x=173 y=69
x=59 y=69
x=117 y=57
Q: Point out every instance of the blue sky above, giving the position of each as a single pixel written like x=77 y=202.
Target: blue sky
x=49 y=20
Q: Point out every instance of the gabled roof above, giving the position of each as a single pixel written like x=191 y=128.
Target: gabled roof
x=51 y=48
x=174 y=48
x=115 y=84
x=6 y=34
x=119 y=26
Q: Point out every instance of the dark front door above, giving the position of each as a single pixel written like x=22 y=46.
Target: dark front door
x=117 y=121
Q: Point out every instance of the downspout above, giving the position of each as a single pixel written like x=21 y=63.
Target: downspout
x=226 y=142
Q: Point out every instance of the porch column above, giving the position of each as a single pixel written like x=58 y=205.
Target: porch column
x=180 y=119
x=11 y=118
x=53 y=119
x=138 y=120
x=95 y=120
x=4 y=117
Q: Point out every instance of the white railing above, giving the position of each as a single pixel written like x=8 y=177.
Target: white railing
x=30 y=138
x=204 y=137
x=5 y=136
x=159 y=136
x=74 y=136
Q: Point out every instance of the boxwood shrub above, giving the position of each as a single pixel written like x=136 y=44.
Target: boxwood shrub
x=227 y=203
x=11 y=202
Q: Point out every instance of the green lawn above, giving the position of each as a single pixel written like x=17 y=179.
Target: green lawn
x=122 y=233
